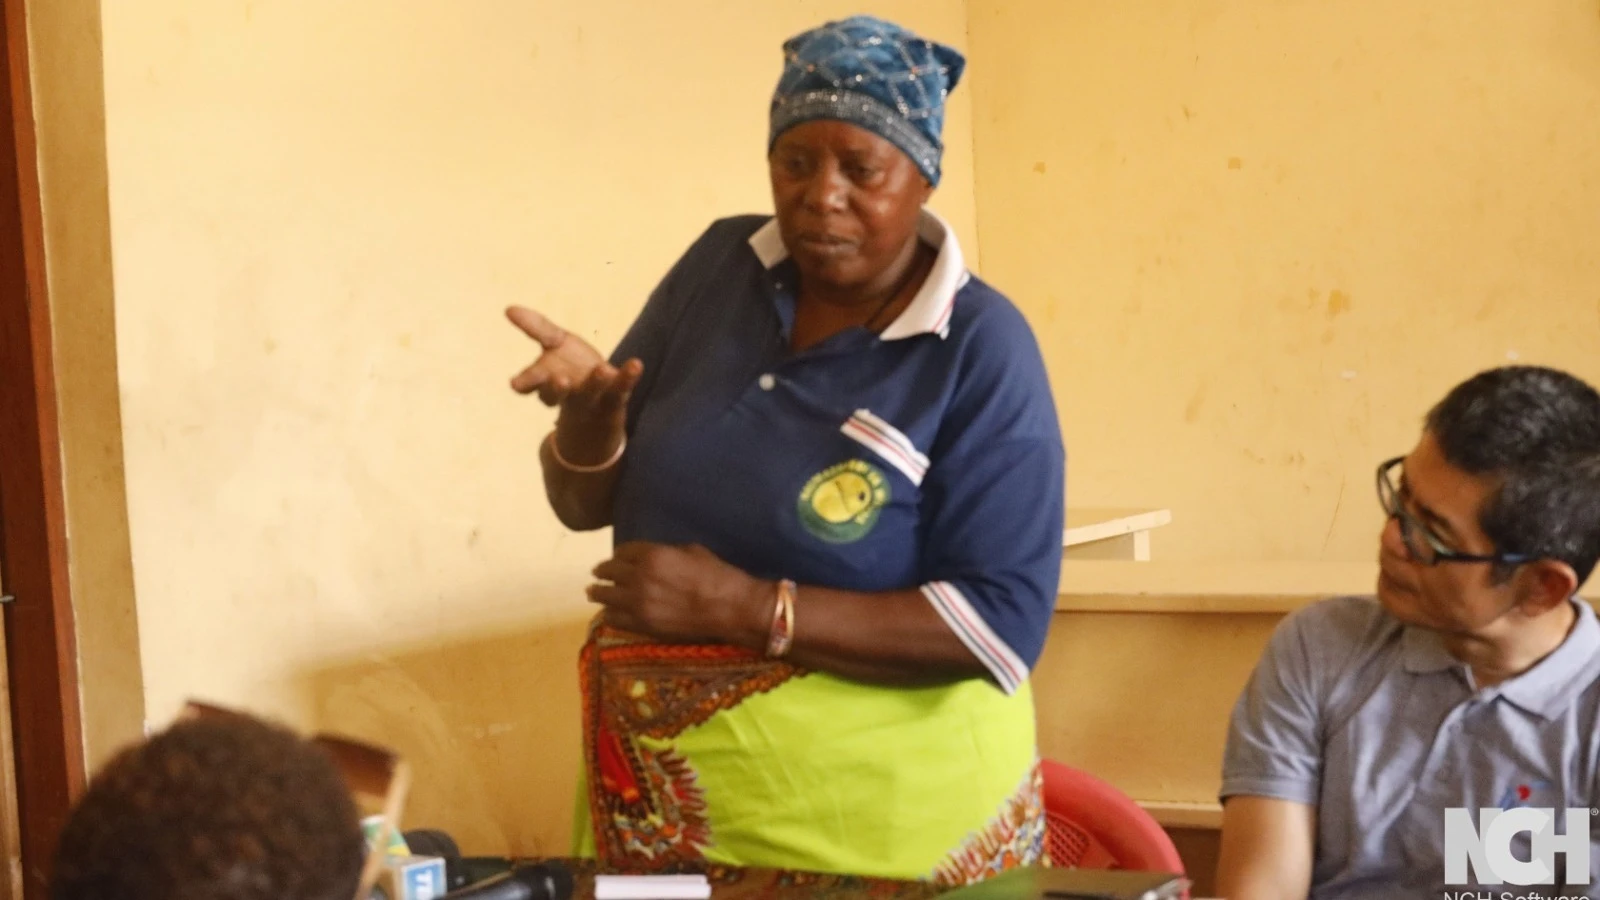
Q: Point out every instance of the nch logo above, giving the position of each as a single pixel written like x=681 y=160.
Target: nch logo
x=1487 y=846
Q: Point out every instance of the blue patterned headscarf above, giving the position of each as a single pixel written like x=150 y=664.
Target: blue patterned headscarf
x=873 y=74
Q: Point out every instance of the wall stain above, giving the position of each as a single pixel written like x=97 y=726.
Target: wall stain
x=1235 y=162
x=1191 y=412
x=1334 y=519
x=1338 y=304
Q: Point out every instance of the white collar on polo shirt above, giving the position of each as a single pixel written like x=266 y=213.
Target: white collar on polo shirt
x=929 y=311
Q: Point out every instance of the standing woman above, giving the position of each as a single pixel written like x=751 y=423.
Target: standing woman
x=832 y=462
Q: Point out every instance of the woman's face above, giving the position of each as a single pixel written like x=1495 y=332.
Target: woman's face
x=847 y=201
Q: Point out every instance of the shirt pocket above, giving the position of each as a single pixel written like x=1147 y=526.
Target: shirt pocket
x=857 y=503
x=887 y=443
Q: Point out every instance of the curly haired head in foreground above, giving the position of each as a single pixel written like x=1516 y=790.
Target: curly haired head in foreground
x=213 y=809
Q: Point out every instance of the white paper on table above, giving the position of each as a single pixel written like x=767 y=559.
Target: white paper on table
x=651 y=887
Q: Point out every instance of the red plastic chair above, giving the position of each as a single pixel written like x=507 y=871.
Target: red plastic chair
x=1092 y=825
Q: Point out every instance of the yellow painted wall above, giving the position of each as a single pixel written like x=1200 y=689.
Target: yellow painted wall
x=1258 y=239
x=319 y=210
x=69 y=123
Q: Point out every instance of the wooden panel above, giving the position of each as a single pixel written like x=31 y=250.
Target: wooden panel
x=1198 y=848
x=10 y=828
x=69 y=105
x=1211 y=604
x=1184 y=814
x=1177 y=578
x=1142 y=699
x=46 y=728
x=1164 y=586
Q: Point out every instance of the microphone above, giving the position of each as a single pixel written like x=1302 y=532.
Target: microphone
x=460 y=871
x=431 y=842
x=545 y=881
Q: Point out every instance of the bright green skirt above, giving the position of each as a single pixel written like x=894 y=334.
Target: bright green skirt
x=710 y=755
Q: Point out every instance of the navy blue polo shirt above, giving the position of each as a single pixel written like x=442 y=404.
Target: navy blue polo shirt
x=928 y=456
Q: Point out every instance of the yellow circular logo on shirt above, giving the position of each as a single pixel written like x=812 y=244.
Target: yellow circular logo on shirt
x=840 y=504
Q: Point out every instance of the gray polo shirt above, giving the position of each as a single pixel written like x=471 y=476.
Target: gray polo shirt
x=1378 y=727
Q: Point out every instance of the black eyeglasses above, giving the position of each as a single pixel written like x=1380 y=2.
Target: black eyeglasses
x=1424 y=546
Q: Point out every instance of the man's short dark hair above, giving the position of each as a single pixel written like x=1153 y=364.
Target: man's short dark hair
x=1536 y=432
x=213 y=809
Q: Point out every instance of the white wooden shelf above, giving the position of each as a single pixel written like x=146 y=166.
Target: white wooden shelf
x=1114 y=534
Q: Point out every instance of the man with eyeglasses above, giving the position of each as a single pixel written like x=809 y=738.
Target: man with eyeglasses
x=1472 y=682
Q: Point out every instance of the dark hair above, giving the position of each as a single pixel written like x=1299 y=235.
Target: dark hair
x=1536 y=431
x=213 y=809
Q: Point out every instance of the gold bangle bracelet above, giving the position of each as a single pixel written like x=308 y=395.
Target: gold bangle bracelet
x=782 y=637
x=574 y=467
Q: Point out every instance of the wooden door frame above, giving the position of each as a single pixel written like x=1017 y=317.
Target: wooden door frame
x=42 y=659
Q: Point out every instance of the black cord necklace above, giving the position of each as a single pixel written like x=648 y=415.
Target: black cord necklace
x=912 y=273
